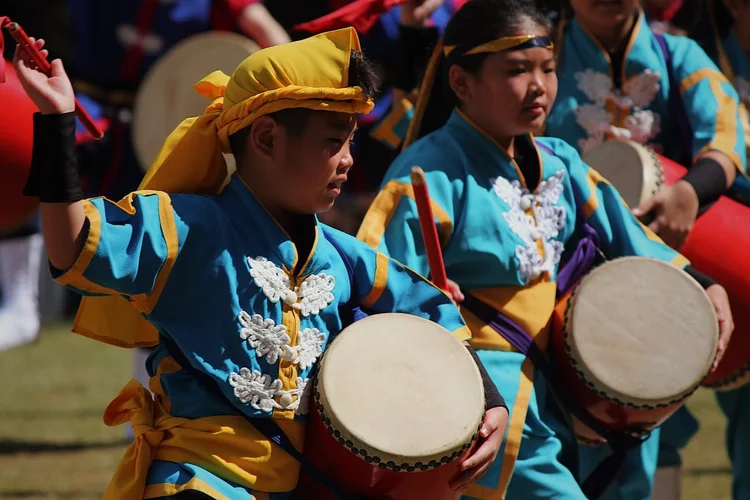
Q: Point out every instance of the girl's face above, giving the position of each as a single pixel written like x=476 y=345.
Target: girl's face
x=599 y=15
x=513 y=92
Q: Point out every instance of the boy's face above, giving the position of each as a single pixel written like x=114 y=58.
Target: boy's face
x=312 y=165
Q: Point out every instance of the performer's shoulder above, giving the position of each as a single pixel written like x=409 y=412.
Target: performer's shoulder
x=436 y=152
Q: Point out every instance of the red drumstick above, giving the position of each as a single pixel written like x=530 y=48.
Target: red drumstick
x=22 y=38
x=429 y=229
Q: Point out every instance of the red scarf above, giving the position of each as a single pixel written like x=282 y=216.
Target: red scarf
x=361 y=14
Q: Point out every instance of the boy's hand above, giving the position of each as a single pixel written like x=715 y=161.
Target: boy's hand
x=455 y=292
x=51 y=94
x=675 y=210
x=490 y=438
x=720 y=300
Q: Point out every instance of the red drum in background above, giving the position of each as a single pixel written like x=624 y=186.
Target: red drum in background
x=632 y=341
x=717 y=246
x=396 y=403
x=16 y=141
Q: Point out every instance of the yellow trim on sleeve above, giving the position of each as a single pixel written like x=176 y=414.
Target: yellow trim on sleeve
x=384 y=206
x=384 y=131
x=695 y=77
x=593 y=178
x=382 y=262
x=74 y=276
x=725 y=135
x=146 y=303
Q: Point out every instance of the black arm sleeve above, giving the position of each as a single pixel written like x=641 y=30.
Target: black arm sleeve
x=702 y=279
x=492 y=397
x=708 y=179
x=53 y=177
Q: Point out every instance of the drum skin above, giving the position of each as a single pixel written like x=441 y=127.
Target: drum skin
x=16 y=141
x=611 y=415
x=717 y=247
x=355 y=476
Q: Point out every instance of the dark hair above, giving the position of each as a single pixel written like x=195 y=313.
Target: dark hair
x=361 y=74
x=475 y=23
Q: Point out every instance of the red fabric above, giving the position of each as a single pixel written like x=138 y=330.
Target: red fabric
x=362 y=14
x=134 y=54
x=3 y=21
x=235 y=7
x=665 y=14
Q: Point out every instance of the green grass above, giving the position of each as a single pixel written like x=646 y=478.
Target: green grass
x=53 y=444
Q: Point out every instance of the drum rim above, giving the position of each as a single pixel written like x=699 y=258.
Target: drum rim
x=350 y=442
x=591 y=381
x=157 y=67
x=657 y=178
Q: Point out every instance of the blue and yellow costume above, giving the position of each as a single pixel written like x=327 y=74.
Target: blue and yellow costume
x=200 y=269
x=727 y=53
x=502 y=242
x=598 y=102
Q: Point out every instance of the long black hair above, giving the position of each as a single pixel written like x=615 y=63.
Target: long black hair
x=477 y=22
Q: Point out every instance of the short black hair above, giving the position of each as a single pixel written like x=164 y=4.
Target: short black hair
x=361 y=74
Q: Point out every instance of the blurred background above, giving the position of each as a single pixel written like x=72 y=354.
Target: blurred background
x=132 y=63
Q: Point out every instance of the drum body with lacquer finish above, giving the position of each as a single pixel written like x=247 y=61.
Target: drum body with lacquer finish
x=397 y=403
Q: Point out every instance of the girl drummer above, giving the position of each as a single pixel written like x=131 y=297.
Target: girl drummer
x=485 y=172
x=618 y=80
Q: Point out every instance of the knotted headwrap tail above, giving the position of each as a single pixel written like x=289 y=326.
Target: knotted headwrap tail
x=311 y=73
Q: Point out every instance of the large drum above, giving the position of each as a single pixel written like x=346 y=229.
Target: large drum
x=717 y=246
x=166 y=96
x=16 y=140
x=397 y=402
x=632 y=341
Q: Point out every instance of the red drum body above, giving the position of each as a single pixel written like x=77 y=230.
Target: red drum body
x=397 y=402
x=632 y=341
x=717 y=246
x=16 y=141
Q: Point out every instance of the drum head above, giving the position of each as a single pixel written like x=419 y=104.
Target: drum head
x=167 y=95
x=401 y=389
x=642 y=331
x=631 y=168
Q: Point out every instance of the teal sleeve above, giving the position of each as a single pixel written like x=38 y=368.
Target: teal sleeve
x=385 y=286
x=711 y=102
x=392 y=223
x=620 y=233
x=128 y=246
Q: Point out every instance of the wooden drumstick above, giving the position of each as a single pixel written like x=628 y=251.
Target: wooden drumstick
x=24 y=42
x=429 y=229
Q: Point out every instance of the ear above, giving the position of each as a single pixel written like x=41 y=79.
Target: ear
x=263 y=135
x=458 y=79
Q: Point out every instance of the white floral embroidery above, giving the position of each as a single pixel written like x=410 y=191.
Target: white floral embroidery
x=301 y=403
x=596 y=86
x=309 y=347
x=641 y=90
x=546 y=223
x=316 y=292
x=256 y=388
x=266 y=337
x=270 y=278
x=640 y=125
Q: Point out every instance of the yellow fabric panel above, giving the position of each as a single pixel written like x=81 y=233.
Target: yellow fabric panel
x=529 y=306
x=384 y=206
x=228 y=446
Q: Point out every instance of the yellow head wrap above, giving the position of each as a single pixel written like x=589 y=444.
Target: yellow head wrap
x=311 y=73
